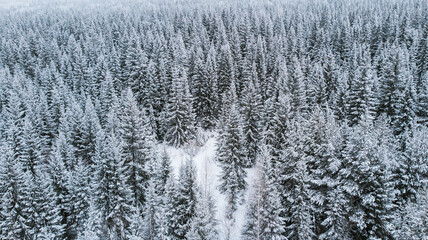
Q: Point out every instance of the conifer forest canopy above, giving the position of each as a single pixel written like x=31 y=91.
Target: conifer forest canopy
x=203 y=120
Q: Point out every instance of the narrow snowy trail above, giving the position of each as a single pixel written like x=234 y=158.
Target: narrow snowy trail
x=208 y=177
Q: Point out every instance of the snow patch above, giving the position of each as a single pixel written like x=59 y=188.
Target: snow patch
x=208 y=177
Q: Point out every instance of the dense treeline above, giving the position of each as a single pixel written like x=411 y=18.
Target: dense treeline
x=327 y=101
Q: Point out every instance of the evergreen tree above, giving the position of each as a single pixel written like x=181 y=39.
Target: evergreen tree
x=231 y=155
x=412 y=171
x=295 y=185
x=113 y=194
x=397 y=90
x=298 y=89
x=155 y=207
x=203 y=225
x=138 y=144
x=107 y=96
x=40 y=209
x=199 y=86
x=135 y=227
x=86 y=133
x=226 y=69
x=263 y=217
x=213 y=94
x=324 y=144
x=317 y=86
x=361 y=99
x=32 y=144
x=204 y=85
x=411 y=222
x=79 y=199
x=184 y=202
x=277 y=114
x=135 y=64
x=251 y=112
x=93 y=229
x=170 y=221
x=14 y=121
x=12 y=225
x=180 y=116
x=150 y=211
x=366 y=180
x=59 y=174
x=423 y=101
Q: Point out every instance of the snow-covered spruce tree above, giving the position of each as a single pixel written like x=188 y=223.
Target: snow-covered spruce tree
x=179 y=111
x=214 y=95
x=361 y=97
x=231 y=154
x=135 y=66
x=107 y=96
x=317 y=87
x=412 y=172
x=112 y=194
x=161 y=172
x=31 y=154
x=294 y=180
x=397 y=94
x=164 y=83
x=412 y=220
x=203 y=225
x=199 y=85
x=14 y=120
x=226 y=68
x=70 y=123
x=423 y=100
x=40 y=209
x=93 y=226
x=184 y=202
x=151 y=206
x=99 y=74
x=155 y=205
x=138 y=144
x=136 y=230
x=260 y=58
x=277 y=113
x=150 y=96
x=60 y=175
x=44 y=121
x=422 y=54
x=63 y=149
x=263 y=217
x=323 y=145
x=204 y=88
x=79 y=198
x=251 y=114
x=297 y=88
x=340 y=97
x=12 y=225
x=86 y=132
x=366 y=179
x=168 y=225
x=76 y=66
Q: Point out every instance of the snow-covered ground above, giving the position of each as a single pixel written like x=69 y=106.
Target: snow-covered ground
x=208 y=174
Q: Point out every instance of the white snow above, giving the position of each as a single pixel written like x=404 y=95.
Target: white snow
x=208 y=173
